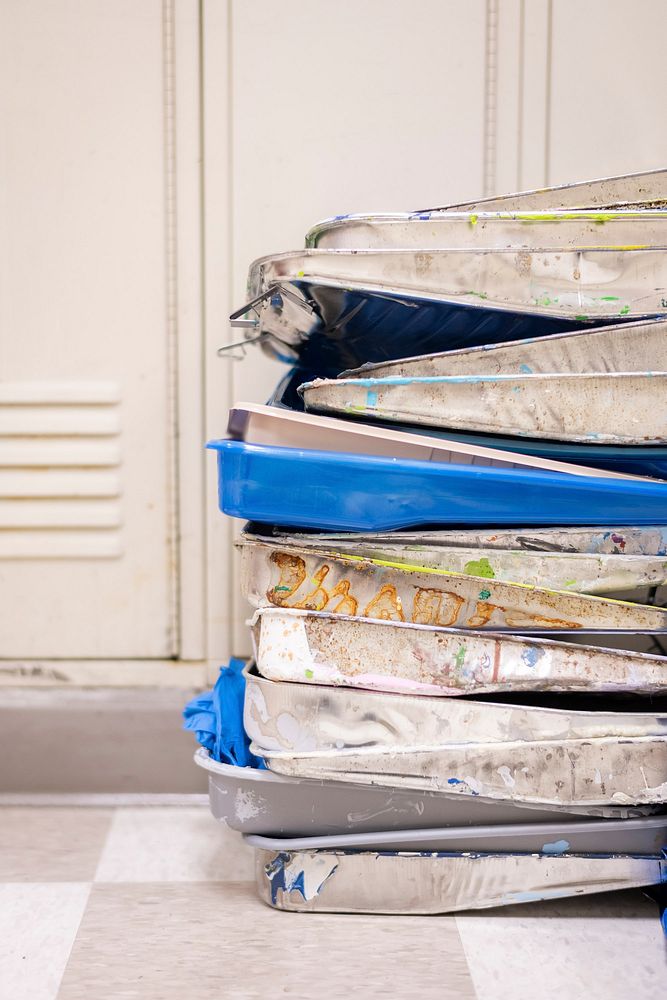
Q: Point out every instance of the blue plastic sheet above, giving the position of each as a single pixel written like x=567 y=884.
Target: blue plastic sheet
x=216 y=718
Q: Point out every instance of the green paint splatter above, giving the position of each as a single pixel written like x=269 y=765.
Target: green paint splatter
x=485 y=594
x=609 y=298
x=569 y=583
x=309 y=674
x=473 y=220
x=479 y=567
x=582 y=319
x=478 y=295
x=300 y=274
x=624 y=311
x=460 y=657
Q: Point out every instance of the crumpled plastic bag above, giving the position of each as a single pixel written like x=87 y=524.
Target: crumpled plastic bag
x=216 y=718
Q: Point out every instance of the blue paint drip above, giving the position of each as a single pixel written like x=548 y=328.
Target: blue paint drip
x=531 y=655
x=371 y=399
x=275 y=872
x=525 y=369
x=558 y=847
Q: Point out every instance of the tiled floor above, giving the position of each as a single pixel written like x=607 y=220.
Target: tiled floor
x=157 y=903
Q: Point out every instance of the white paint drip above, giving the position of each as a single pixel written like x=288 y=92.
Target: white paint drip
x=247 y=805
x=506 y=775
x=307 y=873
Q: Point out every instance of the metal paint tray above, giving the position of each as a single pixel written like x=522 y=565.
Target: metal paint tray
x=284 y=716
x=592 y=772
x=619 y=540
x=378 y=882
x=261 y=802
x=614 y=229
x=639 y=837
x=336 y=309
x=318 y=648
x=289 y=576
x=342 y=492
x=646 y=188
x=628 y=347
x=582 y=406
x=581 y=572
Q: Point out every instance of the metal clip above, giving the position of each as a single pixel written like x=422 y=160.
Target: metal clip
x=235 y=318
x=237 y=350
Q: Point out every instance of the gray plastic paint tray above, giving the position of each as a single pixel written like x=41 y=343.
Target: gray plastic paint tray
x=647 y=836
x=262 y=802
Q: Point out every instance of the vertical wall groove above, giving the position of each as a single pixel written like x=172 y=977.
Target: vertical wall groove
x=171 y=280
x=547 y=109
x=490 y=96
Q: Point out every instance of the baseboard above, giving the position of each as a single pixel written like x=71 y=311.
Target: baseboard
x=96 y=741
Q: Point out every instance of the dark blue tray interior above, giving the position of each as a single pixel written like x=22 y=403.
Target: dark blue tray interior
x=345 y=328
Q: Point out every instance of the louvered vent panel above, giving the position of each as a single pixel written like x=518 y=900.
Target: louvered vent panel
x=60 y=488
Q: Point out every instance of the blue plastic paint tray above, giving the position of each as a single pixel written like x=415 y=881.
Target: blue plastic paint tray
x=343 y=492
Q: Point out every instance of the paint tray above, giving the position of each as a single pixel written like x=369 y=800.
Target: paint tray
x=499 y=556
x=284 y=575
x=438 y=230
x=434 y=882
x=313 y=647
x=343 y=492
x=261 y=802
x=284 y=716
x=578 y=407
x=562 y=772
x=646 y=836
x=334 y=309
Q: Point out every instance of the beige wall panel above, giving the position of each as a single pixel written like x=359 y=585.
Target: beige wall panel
x=608 y=80
x=82 y=305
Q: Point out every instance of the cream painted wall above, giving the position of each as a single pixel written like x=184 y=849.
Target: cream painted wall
x=150 y=151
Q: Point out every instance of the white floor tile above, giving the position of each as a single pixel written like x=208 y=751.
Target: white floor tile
x=587 y=948
x=38 y=924
x=172 y=844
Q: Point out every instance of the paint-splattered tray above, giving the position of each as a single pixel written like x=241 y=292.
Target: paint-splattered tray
x=609 y=540
x=377 y=882
x=318 y=648
x=646 y=188
x=583 y=573
x=632 y=770
x=283 y=716
x=629 y=347
x=288 y=576
x=324 y=308
x=625 y=408
x=438 y=230
x=646 y=836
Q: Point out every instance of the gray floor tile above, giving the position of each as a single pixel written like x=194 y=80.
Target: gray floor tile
x=160 y=942
x=604 y=947
x=38 y=924
x=172 y=844
x=51 y=845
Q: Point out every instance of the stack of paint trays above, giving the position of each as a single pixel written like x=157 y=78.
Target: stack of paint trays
x=454 y=715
